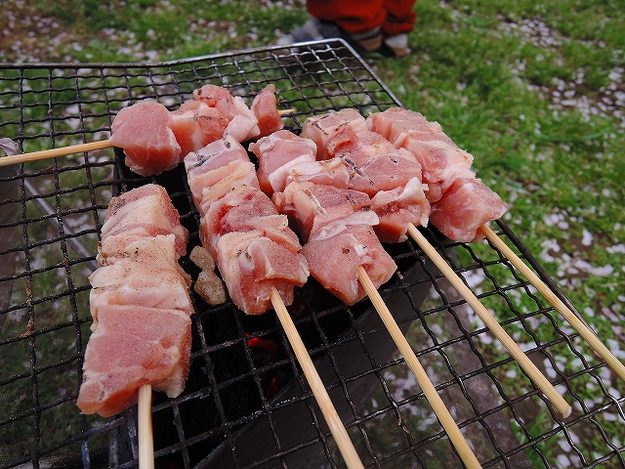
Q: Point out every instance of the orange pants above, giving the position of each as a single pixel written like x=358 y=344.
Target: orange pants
x=355 y=16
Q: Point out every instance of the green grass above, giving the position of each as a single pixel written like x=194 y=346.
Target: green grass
x=498 y=76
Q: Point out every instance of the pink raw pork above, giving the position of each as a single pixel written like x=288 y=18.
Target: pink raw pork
x=467 y=205
x=242 y=123
x=252 y=265
x=321 y=210
x=441 y=160
x=138 y=277
x=140 y=304
x=323 y=128
x=334 y=261
x=394 y=122
x=245 y=208
x=265 y=108
x=277 y=154
x=195 y=124
x=143 y=132
x=251 y=243
x=143 y=212
x=134 y=345
x=337 y=224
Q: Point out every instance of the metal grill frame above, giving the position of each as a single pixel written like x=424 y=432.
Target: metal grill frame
x=50 y=216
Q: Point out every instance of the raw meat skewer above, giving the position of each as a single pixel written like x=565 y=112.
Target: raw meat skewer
x=225 y=190
x=333 y=142
x=138 y=282
x=263 y=106
x=411 y=130
x=280 y=151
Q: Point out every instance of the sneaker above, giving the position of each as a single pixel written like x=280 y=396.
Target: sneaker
x=394 y=46
x=315 y=29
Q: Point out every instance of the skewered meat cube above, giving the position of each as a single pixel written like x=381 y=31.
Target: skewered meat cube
x=252 y=265
x=265 y=108
x=323 y=128
x=140 y=304
x=251 y=243
x=289 y=150
x=467 y=205
x=134 y=345
x=441 y=159
x=143 y=132
x=334 y=261
x=242 y=123
x=195 y=124
x=143 y=212
x=140 y=276
x=322 y=210
x=337 y=224
x=457 y=211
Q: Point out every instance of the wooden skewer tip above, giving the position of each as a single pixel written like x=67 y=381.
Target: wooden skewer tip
x=453 y=431
x=493 y=325
x=585 y=332
x=146 y=439
x=338 y=430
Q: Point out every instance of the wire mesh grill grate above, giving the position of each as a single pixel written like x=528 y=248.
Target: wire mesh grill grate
x=248 y=405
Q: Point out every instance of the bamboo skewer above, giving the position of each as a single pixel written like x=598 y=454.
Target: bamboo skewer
x=586 y=333
x=526 y=364
x=455 y=435
x=72 y=149
x=54 y=152
x=338 y=430
x=146 y=440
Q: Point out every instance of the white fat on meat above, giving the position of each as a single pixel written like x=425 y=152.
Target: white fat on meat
x=138 y=277
x=398 y=207
x=252 y=265
x=313 y=206
x=332 y=172
x=277 y=154
x=251 y=242
x=140 y=304
x=245 y=208
x=395 y=121
x=141 y=212
x=216 y=169
x=220 y=182
x=323 y=128
x=214 y=156
x=244 y=124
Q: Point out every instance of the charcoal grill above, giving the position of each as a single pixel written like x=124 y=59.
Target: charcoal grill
x=247 y=404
